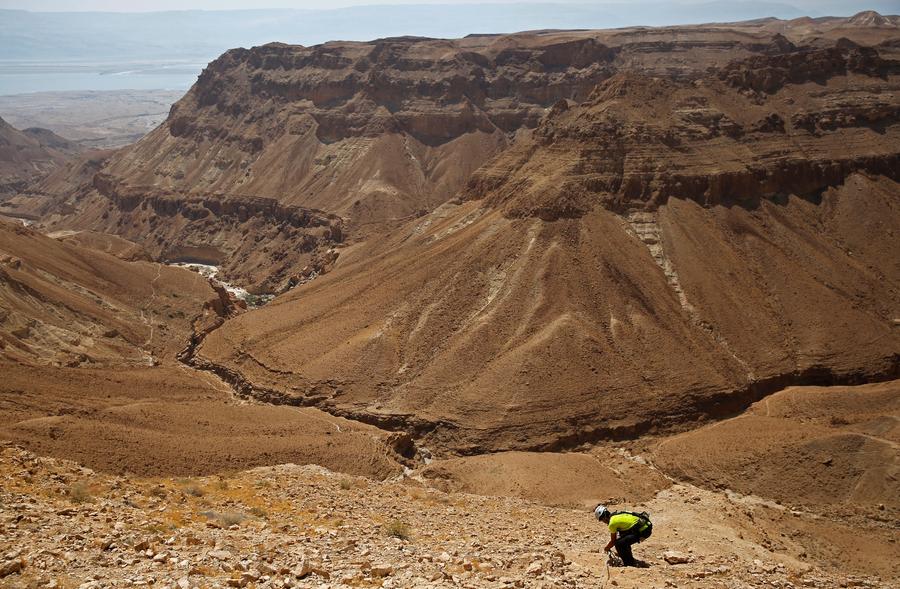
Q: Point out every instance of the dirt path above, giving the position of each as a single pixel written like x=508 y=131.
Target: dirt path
x=147 y=308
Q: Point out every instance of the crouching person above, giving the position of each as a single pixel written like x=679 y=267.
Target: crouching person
x=625 y=528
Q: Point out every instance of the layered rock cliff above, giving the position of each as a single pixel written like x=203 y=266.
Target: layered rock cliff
x=679 y=222
x=759 y=128
x=670 y=249
x=369 y=132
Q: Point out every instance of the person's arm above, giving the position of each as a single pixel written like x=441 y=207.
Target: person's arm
x=612 y=542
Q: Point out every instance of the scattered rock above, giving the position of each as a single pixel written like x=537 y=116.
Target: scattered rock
x=674 y=557
x=535 y=568
x=11 y=566
x=220 y=555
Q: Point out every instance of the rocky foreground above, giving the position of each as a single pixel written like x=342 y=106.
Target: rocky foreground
x=62 y=525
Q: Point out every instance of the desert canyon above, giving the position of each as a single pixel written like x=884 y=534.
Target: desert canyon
x=399 y=313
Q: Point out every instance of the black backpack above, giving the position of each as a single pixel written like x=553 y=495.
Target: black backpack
x=642 y=516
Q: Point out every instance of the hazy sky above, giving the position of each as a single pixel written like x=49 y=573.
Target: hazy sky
x=153 y=5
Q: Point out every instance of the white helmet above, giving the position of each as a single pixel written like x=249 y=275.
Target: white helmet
x=600 y=511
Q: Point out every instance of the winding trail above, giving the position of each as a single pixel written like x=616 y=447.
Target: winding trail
x=148 y=307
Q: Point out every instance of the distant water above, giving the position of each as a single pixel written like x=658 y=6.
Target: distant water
x=19 y=77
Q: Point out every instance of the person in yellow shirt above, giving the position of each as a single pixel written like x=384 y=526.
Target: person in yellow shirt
x=625 y=528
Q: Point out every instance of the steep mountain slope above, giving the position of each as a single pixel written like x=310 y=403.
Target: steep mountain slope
x=308 y=147
x=51 y=140
x=643 y=253
x=62 y=304
x=28 y=155
x=642 y=260
x=351 y=134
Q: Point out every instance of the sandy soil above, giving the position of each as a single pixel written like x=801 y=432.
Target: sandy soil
x=813 y=446
x=172 y=420
x=110 y=244
x=63 y=304
x=581 y=479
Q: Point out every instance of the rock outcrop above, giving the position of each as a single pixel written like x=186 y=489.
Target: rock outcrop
x=381 y=130
x=770 y=73
x=639 y=141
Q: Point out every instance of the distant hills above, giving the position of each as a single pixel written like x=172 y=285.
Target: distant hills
x=73 y=36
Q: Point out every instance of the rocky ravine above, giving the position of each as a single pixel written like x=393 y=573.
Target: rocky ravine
x=648 y=253
x=88 y=347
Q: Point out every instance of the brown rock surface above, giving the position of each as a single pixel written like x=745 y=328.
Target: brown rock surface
x=641 y=260
x=26 y=156
x=170 y=420
x=369 y=132
x=481 y=331
x=866 y=27
x=67 y=305
x=88 y=343
x=301 y=526
x=676 y=223
x=647 y=253
x=639 y=141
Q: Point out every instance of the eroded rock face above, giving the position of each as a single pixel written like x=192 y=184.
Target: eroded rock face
x=647 y=253
x=373 y=132
x=369 y=132
x=380 y=130
x=63 y=305
x=639 y=141
x=640 y=260
x=770 y=73
x=27 y=156
x=476 y=331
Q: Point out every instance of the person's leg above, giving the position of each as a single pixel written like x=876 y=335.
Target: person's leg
x=623 y=547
